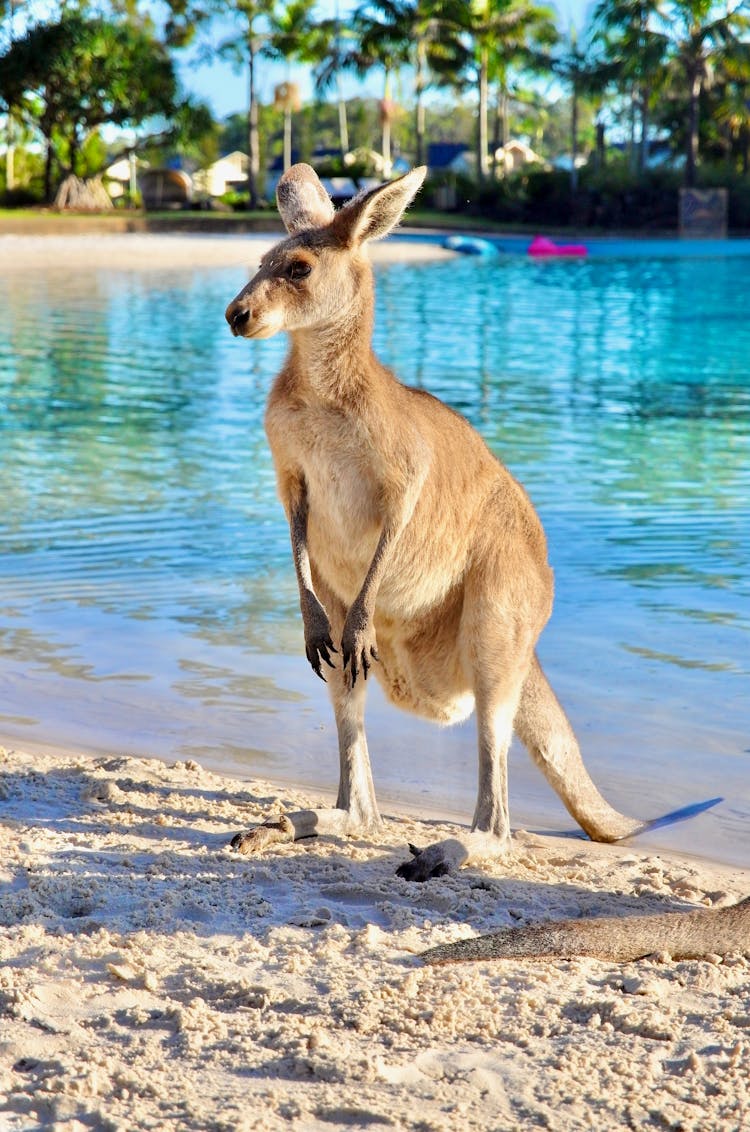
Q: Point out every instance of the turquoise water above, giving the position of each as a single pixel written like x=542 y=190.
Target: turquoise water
x=147 y=601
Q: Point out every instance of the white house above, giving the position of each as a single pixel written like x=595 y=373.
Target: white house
x=225 y=175
x=514 y=155
x=121 y=177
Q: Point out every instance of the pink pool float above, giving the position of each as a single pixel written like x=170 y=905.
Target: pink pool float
x=541 y=246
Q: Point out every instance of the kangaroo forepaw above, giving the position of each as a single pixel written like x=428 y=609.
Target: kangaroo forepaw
x=319 y=648
x=318 y=643
x=270 y=833
x=425 y=864
x=358 y=650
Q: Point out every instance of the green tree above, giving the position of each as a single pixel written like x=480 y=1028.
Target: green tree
x=632 y=53
x=68 y=78
x=503 y=34
x=705 y=38
x=291 y=35
x=574 y=66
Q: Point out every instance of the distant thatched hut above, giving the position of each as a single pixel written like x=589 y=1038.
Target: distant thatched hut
x=165 y=188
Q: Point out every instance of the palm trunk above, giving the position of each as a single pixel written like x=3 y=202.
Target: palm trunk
x=10 y=176
x=386 y=136
x=500 y=132
x=644 y=148
x=692 y=138
x=632 y=144
x=645 y=95
x=419 y=104
x=74 y=147
x=287 y=138
x=343 y=124
x=482 y=167
x=600 y=146
x=574 y=141
x=253 y=144
x=48 y=158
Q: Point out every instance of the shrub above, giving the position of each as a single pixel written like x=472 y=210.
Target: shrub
x=23 y=197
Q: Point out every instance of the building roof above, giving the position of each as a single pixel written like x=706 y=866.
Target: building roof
x=441 y=155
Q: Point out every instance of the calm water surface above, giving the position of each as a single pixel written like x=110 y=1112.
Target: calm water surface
x=147 y=600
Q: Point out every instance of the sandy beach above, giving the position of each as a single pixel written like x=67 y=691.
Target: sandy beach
x=151 y=978
x=146 y=252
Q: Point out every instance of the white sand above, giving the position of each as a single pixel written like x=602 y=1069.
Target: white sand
x=150 y=978
x=146 y=252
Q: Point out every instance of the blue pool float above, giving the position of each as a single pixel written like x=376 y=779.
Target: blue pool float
x=469 y=245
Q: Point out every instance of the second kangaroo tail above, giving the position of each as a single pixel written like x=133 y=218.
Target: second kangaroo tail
x=684 y=935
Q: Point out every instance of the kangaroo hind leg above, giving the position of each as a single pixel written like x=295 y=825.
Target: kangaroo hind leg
x=544 y=729
x=497 y=690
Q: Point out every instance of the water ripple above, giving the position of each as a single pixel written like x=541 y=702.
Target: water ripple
x=141 y=540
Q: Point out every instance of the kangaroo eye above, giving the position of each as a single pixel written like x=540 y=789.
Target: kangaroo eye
x=298 y=269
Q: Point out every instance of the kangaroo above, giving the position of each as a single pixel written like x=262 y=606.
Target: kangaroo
x=684 y=935
x=418 y=556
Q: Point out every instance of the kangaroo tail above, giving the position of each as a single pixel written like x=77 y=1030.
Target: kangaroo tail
x=684 y=935
x=543 y=727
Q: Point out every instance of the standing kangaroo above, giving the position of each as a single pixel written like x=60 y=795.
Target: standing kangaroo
x=416 y=552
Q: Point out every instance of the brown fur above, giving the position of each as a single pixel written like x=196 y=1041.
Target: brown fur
x=683 y=935
x=417 y=554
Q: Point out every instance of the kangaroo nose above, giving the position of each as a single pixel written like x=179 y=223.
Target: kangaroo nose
x=238 y=318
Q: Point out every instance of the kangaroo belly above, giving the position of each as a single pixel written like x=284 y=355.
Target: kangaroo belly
x=433 y=691
x=421 y=665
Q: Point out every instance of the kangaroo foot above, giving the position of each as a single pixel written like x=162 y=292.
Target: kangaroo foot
x=448 y=856
x=270 y=833
x=425 y=864
x=306 y=823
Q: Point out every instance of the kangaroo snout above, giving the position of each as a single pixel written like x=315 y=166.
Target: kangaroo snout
x=238 y=317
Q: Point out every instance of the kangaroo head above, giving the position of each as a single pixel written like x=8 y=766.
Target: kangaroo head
x=319 y=274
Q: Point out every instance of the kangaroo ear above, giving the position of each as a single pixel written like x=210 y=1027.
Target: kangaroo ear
x=302 y=200
x=376 y=212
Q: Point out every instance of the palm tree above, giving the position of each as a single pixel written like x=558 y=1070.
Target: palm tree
x=633 y=51
x=372 y=45
x=329 y=54
x=8 y=10
x=245 y=48
x=703 y=37
x=273 y=31
x=425 y=33
x=504 y=33
x=731 y=110
x=291 y=35
x=574 y=66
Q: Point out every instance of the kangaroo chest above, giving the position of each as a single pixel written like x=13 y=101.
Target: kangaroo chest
x=339 y=464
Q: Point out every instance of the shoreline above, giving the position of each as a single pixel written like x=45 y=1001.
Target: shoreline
x=426 y=809
x=151 y=976
x=24 y=253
